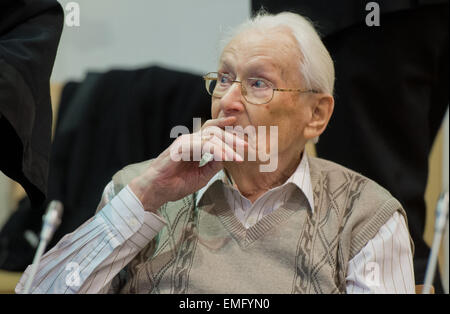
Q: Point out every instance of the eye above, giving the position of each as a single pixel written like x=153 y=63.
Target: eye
x=224 y=79
x=258 y=83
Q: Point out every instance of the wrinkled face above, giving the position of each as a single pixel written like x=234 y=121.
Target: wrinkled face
x=274 y=56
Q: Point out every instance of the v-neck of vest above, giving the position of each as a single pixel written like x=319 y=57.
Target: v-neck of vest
x=245 y=237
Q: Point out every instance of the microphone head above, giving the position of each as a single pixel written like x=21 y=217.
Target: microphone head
x=57 y=206
x=53 y=213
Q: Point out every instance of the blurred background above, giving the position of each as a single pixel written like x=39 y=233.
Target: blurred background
x=182 y=35
x=164 y=36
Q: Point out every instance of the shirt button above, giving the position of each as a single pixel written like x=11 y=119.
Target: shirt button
x=251 y=221
x=133 y=222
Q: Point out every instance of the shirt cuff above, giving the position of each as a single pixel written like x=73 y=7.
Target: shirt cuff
x=126 y=214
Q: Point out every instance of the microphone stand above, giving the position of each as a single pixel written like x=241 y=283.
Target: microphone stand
x=439 y=228
x=51 y=221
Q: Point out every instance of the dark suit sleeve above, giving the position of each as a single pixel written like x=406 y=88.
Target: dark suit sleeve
x=29 y=37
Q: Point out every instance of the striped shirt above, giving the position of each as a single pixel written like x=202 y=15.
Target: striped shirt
x=86 y=260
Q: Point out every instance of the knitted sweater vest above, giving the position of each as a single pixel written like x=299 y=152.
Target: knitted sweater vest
x=205 y=249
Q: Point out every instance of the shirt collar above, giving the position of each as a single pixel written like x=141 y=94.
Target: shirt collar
x=300 y=177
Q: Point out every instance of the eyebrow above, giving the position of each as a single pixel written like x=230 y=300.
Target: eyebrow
x=263 y=70
x=225 y=64
x=256 y=70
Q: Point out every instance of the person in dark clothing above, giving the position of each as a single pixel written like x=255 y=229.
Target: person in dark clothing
x=29 y=37
x=104 y=122
x=391 y=94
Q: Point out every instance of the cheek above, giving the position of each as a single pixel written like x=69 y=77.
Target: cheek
x=291 y=122
x=281 y=114
x=296 y=123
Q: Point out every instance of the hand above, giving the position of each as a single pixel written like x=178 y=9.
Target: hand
x=169 y=180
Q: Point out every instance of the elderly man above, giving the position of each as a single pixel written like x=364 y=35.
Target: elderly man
x=174 y=225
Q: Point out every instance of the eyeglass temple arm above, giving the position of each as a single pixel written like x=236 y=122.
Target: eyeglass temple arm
x=296 y=90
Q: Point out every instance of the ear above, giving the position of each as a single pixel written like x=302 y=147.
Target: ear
x=321 y=110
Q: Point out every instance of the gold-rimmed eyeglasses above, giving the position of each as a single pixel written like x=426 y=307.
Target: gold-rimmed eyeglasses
x=257 y=91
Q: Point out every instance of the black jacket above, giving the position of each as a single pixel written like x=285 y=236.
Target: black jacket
x=331 y=17
x=29 y=37
x=106 y=122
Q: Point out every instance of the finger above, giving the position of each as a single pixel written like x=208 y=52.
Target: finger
x=231 y=138
x=220 y=122
x=230 y=154
x=234 y=142
x=242 y=136
x=198 y=145
x=212 y=148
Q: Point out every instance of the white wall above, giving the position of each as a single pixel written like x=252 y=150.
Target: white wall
x=178 y=34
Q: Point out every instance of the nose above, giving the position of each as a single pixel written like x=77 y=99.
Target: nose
x=231 y=102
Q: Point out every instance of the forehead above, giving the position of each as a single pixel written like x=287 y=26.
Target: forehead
x=270 y=50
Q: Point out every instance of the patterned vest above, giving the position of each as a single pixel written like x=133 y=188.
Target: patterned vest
x=205 y=249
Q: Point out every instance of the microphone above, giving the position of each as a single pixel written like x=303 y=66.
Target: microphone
x=51 y=221
x=439 y=228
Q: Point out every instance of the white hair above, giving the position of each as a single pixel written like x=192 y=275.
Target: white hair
x=316 y=65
